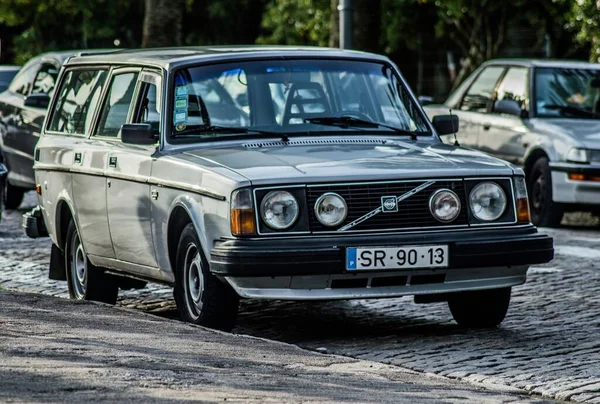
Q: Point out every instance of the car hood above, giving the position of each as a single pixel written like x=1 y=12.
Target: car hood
x=320 y=160
x=584 y=131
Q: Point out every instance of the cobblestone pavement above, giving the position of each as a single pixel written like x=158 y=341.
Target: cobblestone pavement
x=549 y=344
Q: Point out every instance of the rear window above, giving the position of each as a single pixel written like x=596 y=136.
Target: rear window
x=76 y=101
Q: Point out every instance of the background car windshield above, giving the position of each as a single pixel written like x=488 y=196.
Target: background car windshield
x=572 y=93
x=280 y=95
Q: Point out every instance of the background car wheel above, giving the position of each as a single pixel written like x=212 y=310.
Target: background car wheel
x=85 y=281
x=481 y=308
x=13 y=196
x=544 y=212
x=201 y=298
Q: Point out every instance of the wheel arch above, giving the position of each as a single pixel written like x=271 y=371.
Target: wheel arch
x=533 y=156
x=185 y=210
x=64 y=215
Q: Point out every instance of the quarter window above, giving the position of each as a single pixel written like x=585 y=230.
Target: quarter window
x=76 y=101
x=479 y=95
x=116 y=106
x=45 y=80
x=149 y=107
x=21 y=84
x=514 y=86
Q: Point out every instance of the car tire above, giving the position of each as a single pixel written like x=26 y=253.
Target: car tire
x=544 y=211
x=480 y=308
x=86 y=281
x=13 y=196
x=201 y=297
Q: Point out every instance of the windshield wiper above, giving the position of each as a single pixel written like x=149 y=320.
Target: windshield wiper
x=235 y=130
x=573 y=110
x=345 y=121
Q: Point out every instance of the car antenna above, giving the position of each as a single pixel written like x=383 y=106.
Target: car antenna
x=454 y=130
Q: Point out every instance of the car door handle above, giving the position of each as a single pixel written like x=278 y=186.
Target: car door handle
x=112 y=161
x=487 y=126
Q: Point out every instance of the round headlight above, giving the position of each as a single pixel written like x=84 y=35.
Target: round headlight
x=444 y=205
x=331 y=209
x=279 y=210
x=488 y=201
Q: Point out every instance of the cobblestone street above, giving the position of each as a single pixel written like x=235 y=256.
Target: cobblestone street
x=549 y=344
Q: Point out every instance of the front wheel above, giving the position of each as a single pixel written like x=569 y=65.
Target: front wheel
x=480 y=308
x=201 y=298
x=85 y=281
x=544 y=211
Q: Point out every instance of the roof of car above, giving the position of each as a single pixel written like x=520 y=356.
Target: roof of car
x=165 y=57
x=580 y=64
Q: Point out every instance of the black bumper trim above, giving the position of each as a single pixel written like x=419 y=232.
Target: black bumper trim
x=33 y=223
x=326 y=255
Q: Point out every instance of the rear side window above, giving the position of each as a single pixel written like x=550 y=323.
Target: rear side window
x=76 y=101
x=116 y=106
x=480 y=94
x=45 y=80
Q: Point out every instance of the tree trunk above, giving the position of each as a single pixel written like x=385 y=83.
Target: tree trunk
x=163 y=23
x=334 y=33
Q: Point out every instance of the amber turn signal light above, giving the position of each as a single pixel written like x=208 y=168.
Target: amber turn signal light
x=523 y=215
x=38 y=189
x=243 y=220
x=583 y=177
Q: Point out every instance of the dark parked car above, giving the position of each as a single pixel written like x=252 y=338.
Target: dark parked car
x=22 y=111
x=543 y=115
x=6 y=75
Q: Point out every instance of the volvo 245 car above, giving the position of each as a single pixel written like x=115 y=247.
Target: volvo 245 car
x=272 y=173
x=544 y=116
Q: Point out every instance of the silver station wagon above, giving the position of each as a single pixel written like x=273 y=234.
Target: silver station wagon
x=271 y=173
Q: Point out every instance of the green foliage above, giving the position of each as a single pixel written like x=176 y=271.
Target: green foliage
x=296 y=22
x=584 y=19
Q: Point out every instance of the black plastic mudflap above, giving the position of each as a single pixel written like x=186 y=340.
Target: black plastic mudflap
x=33 y=223
x=57 y=264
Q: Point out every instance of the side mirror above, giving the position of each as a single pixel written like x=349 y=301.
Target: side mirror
x=138 y=133
x=425 y=100
x=37 y=100
x=445 y=124
x=510 y=107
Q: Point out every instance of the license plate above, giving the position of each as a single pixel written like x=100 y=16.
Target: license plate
x=381 y=258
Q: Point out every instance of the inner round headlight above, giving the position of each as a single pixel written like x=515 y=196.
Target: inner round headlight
x=331 y=209
x=279 y=210
x=444 y=205
x=488 y=201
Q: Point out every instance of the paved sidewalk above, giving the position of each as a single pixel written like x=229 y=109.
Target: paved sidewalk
x=55 y=350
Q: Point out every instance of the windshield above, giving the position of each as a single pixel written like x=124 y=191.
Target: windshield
x=572 y=93
x=286 y=96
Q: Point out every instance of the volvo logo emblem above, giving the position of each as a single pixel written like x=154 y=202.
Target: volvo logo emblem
x=389 y=204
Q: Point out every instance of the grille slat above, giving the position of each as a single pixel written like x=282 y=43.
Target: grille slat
x=363 y=198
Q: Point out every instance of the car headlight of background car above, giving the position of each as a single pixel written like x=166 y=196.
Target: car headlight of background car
x=279 y=210
x=487 y=201
x=577 y=155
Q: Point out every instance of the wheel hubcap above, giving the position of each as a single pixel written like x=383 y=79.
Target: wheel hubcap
x=78 y=267
x=195 y=279
x=538 y=192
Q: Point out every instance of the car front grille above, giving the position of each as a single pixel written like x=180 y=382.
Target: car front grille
x=413 y=212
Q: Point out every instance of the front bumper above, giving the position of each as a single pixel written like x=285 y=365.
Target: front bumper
x=568 y=191
x=321 y=255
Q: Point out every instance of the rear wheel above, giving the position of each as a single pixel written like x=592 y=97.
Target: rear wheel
x=13 y=196
x=544 y=211
x=85 y=281
x=201 y=298
x=480 y=308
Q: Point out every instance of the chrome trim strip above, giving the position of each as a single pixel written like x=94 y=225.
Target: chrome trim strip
x=326 y=184
x=51 y=167
x=379 y=209
x=17 y=152
x=185 y=187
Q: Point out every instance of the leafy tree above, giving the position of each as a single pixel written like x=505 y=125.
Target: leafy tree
x=584 y=19
x=296 y=22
